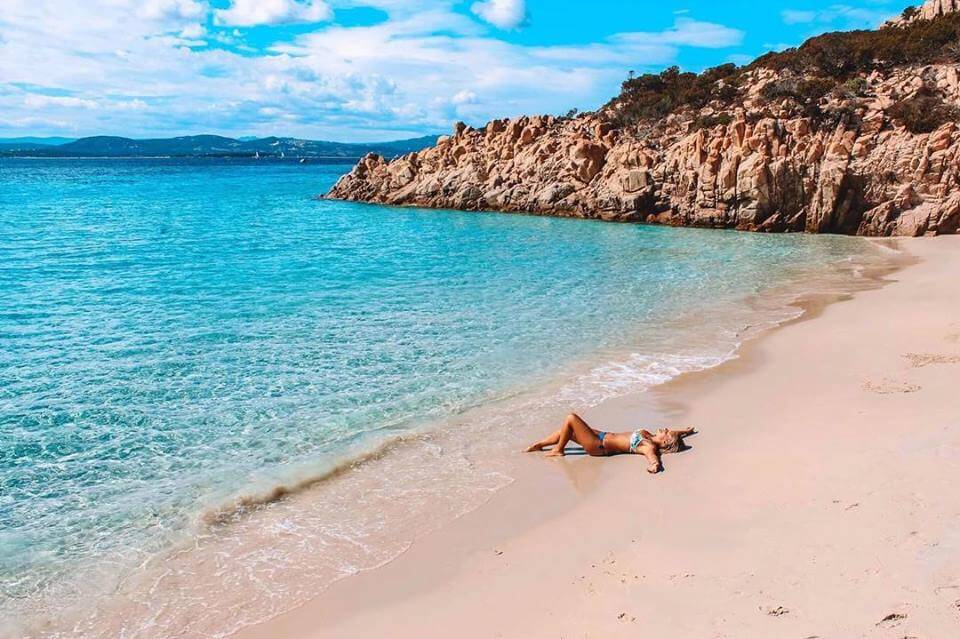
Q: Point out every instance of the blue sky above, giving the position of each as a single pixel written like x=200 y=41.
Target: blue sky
x=363 y=69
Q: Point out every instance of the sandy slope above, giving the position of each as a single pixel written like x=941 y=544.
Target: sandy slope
x=821 y=498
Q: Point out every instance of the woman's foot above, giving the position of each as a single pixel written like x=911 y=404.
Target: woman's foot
x=556 y=452
x=533 y=448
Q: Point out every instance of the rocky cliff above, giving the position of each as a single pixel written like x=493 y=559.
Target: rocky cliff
x=850 y=133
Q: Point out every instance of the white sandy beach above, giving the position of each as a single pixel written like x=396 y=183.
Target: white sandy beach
x=819 y=500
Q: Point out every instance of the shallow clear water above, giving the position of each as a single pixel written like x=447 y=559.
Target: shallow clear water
x=175 y=333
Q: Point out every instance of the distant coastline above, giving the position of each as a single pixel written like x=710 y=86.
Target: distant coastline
x=211 y=146
x=323 y=159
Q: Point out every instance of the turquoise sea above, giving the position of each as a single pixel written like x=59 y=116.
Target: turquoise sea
x=178 y=333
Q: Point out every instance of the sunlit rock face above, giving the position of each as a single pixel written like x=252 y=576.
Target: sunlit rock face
x=854 y=164
x=933 y=8
x=928 y=11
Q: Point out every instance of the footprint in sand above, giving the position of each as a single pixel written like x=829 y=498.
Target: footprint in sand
x=889 y=387
x=919 y=360
x=892 y=620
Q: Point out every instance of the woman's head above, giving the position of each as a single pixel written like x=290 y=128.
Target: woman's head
x=667 y=441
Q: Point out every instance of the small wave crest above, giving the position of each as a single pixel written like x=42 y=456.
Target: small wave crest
x=636 y=373
x=245 y=503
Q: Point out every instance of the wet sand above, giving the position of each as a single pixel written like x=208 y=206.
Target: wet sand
x=818 y=500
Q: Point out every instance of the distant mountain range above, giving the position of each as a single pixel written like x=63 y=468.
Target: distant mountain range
x=31 y=142
x=206 y=146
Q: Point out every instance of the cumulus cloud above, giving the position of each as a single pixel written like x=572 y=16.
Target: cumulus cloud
x=464 y=97
x=193 y=31
x=167 y=9
x=155 y=69
x=248 y=13
x=503 y=14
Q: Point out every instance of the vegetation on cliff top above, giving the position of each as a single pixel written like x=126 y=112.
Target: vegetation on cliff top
x=828 y=63
x=843 y=54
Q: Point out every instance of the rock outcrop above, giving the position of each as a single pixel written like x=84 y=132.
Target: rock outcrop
x=760 y=164
x=929 y=10
x=934 y=8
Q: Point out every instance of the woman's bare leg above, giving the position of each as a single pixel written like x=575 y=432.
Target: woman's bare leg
x=574 y=428
x=549 y=440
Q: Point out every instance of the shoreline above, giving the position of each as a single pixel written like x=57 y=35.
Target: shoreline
x=480 y=552
x=296 y=502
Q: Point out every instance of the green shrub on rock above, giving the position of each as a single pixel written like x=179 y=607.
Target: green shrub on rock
x=923 y=113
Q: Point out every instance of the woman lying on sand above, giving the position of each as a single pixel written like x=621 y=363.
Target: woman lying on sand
x=600 y=444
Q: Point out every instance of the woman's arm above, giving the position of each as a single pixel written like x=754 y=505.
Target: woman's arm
x=653 y=458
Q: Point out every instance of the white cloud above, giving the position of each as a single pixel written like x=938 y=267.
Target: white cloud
x=177 y=41
x=37 y=101
x=693 y=33
x=464 y=97
x=840 y=16
x=66 y=103
x=108 y=68
x=248 y=13
x=193 y=31
x=129 y=105
x=647 y=47
x=173 y=9
x=793 y=16
x=503 y=14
